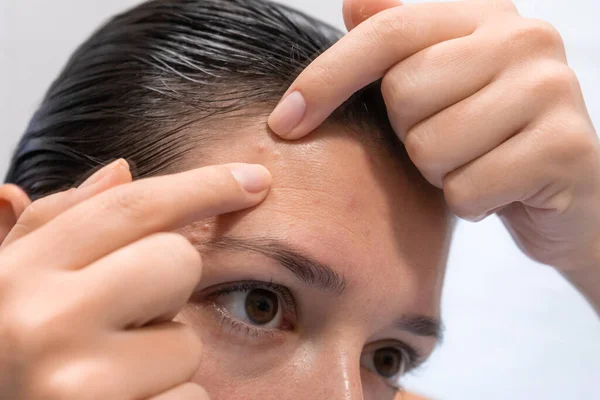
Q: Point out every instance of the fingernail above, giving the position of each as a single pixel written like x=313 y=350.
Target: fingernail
x=288 y=114
x=104 y=172
x=254 y=178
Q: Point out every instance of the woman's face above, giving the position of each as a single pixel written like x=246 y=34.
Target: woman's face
x=330 y=289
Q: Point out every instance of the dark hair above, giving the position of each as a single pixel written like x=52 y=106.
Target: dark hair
x=135 y=87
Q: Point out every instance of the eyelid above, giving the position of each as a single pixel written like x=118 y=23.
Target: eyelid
x=414 y=357
x=246 y=286
x=367 y=361
x=211 y=294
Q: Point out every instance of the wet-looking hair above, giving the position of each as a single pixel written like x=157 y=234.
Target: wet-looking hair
x=154 y=82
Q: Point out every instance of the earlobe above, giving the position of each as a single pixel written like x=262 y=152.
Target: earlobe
x=13 y=201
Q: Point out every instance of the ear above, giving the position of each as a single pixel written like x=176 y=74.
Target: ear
x=13 y=201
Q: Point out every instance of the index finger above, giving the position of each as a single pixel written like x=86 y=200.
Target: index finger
x=129 y=212
x=363 y=56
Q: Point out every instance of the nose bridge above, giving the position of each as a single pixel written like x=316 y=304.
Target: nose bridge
x=337 y=371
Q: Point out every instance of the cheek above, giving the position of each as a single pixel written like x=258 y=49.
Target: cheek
x=232 y=373
x=373 y=389
x=232 y=369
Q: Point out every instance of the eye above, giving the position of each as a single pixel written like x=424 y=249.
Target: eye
x=390 y=363
x=251 y=308
x=258 y=307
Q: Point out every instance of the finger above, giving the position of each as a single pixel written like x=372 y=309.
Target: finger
x=187 y=391
x=13 y=202
x=155 y=358
x=106 y=171
x=419 y=87
x=127 y=213
x=477 y=125
x=356 y=11
x=390 y=37
x=147 y=281
x=456 y=69
x=533 y=167
x=44 y=210
x=131 y=364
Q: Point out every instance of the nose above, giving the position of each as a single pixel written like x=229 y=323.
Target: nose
x=335 y=376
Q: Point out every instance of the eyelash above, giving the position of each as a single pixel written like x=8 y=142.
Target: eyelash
x=412 y=357
x=288 y=302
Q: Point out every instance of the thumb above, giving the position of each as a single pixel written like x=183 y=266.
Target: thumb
x=356 y=11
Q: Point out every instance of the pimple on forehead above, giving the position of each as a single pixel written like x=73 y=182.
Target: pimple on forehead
x=265 y=150
x=352 y=204
x=199 y=231
x=261 y=147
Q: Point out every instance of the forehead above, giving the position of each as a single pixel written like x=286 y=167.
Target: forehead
x=348 y=205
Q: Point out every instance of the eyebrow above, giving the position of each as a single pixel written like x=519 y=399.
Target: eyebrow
x=310 y=271
x=422 y=325
x=319 y=275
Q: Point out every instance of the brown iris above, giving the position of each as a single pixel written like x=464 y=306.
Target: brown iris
x=261 y=306
x=388 y=362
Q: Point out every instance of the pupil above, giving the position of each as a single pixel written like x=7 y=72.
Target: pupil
x=261 y=306
x=388 y=362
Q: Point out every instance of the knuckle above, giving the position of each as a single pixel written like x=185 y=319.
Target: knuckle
x=533 y=34
x=397 y=93
x=576 y=147
x=390 y=89
x=23 y=329
x=72 y=380
x=131 y=204
x=325 y=75
x=459 y=195
x=584 y=148
x=34 y=213
x=418 y=149
x=177 y=249
x=42 y=209
x=555 y=80
x=503 y=5
x=543 y=32
x=393 y=27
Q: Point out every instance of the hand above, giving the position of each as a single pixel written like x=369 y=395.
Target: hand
x=116 y=281
x=33 y=216
x=487 y=108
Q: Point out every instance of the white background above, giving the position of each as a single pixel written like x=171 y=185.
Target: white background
x=515 y=330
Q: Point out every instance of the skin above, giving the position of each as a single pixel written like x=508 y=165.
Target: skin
x=507 y=131
x=463 y=141
x=395 y=226
x=109 y=308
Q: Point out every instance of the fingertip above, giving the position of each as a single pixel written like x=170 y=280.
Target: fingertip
x=116 y=174
x=357 y=11
x=347 y=12
x=253 y=178
x=288 y=114
x=123 y=172
x=16 y=197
